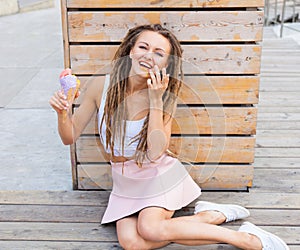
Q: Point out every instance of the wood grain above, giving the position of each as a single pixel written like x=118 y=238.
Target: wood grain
x=165 y=3
x=209 y=177
x=193 y=149
x=103 y=26
x=199 y=89
x=204 y=121
x=197 y=59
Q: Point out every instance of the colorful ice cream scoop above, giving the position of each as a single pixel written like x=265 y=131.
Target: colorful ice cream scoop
x=70 y=85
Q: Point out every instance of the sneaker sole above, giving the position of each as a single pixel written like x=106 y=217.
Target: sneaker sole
x=267 y=233
x=231 y=205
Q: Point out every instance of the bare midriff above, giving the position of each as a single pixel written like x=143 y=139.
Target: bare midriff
x=120 y=158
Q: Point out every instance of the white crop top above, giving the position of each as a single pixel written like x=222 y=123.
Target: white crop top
x=132 y=129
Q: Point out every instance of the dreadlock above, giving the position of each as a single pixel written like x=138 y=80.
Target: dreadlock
x=115 y=110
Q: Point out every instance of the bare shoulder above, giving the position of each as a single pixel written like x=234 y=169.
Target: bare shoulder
x=92 y=88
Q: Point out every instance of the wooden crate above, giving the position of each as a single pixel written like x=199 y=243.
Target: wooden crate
x=215 y=123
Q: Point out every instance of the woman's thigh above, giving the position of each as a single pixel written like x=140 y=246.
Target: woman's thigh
x=150 y=223
x=129 y=238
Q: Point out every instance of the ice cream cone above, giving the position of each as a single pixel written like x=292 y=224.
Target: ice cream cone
x=70 y=85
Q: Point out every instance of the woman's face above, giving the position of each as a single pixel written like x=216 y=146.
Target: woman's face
x=150 y=49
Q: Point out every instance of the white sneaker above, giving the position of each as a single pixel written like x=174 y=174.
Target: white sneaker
x=231 y=212
x=269 y=241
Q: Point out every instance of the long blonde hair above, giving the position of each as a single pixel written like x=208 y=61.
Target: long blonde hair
x=115 y=111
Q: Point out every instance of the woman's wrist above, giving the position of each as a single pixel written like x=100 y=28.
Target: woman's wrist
x=156 y=104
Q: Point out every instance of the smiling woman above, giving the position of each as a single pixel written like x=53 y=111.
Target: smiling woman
x=135 y=109
x=150 y=49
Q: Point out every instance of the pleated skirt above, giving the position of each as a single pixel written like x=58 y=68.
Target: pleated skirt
x=164 y=183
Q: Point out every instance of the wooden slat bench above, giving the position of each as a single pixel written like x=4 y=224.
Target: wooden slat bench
x=215 y=124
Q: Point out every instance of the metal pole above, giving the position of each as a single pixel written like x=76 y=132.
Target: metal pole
x=267 y=12
x=282 y=17
x=294 y=11
x=275 y=11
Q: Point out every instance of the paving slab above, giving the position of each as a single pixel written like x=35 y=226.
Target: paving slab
x=32 y=157
x=38 y=90
x=13 y=80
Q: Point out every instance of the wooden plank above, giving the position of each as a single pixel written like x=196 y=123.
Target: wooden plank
x=255 y=198
x=197 y=59
x=215 y=121
x=64 y=19
x=56 y=231
x=277 y=125
x=199 y=89
x=219 y=90
x=293 y=53
x=84 y=214
x=69 y=245
x=93 y=232
x=279 y=110
x=214 y=149
x=277 y=180
x=276 y=116
x=280 y=44
x=286 y=68
x=270 y=217
x=165 y=3
x=51 y=213
x=73 y=166
x=209 y=177
x=286 y=99
x=194 y=149
x=210 y=120
x=274 y=217
x=278 y=152
x=288 y=163
x=70 y=198
x=279 y=73
x=276 y=139
x=103 y=26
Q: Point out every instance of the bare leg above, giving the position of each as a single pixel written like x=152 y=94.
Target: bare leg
x=129 y=237
x=156 y=224
x=210 y=217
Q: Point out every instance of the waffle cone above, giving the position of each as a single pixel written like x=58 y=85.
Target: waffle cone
x=70 y=85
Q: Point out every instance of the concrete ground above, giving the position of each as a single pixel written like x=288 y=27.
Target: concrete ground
x=32 y=156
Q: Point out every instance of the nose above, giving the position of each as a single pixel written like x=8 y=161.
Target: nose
x=148 y=55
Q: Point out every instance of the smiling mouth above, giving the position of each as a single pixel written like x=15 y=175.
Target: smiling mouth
x=145 y=65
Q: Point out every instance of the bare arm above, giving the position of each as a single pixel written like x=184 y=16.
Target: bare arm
x=159 y=132
x=71 y=128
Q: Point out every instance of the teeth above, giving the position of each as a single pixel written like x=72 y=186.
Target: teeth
x=145 y=65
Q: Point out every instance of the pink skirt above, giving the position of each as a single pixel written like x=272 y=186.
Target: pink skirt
x=164 y=183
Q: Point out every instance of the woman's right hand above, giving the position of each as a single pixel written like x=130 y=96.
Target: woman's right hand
x=58 y=102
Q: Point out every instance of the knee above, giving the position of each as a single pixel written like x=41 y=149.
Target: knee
x=152 y=231
x=128 y=242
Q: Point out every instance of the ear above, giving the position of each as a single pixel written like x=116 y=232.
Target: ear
x=130 y=55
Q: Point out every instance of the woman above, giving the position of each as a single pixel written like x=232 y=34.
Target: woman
x=135 y=109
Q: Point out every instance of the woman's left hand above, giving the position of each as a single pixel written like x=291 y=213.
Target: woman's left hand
x=158 y=84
